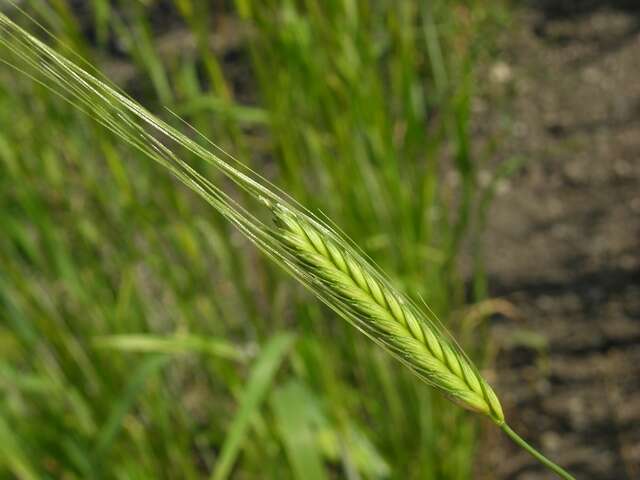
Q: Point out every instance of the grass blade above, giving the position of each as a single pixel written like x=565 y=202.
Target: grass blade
x=173 y=345
x=294 y=416
x=12 y=456
x=112 y=426
x=260 y=379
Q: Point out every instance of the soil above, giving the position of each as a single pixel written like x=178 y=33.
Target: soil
x=564 y=236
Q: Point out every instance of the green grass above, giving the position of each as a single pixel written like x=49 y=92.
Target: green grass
x=141 y=337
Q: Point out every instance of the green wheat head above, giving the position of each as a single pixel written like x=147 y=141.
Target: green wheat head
x=366 y=299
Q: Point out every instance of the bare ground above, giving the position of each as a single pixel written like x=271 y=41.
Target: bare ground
x=564 y=239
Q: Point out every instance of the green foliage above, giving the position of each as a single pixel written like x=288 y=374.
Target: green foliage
x=133 y=319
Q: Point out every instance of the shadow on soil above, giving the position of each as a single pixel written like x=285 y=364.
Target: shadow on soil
x=557 y=9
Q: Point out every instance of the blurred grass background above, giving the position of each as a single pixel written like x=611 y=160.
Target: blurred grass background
x=141 y=337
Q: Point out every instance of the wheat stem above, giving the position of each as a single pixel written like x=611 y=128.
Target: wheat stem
x=561 y=472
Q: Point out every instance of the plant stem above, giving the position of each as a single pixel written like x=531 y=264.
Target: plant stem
x=561 y=472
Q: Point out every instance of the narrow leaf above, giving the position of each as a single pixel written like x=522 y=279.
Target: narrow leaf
x=260 y=379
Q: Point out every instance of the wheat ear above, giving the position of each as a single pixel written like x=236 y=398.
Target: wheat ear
x=385 y=314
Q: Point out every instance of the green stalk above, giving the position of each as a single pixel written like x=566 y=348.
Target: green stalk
x=561 y=472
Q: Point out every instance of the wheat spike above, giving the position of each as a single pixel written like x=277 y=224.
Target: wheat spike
x=384 y=313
